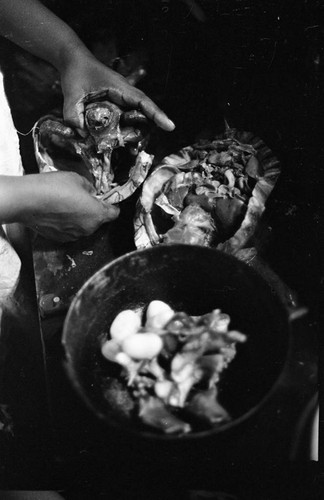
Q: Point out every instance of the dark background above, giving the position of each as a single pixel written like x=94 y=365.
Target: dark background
x=259 y=65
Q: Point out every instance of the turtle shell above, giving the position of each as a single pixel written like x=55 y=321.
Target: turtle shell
x=59 y=147
x=236 y=170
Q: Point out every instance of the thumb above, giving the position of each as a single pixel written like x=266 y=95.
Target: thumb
x=73 y=113
x=111 y=212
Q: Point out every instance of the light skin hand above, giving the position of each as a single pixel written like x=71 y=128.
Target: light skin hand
x=61 y=206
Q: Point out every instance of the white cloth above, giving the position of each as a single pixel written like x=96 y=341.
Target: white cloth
x=10 y=164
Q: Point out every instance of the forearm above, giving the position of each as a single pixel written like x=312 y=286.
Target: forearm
x=35 y=28
x=18 y=198
x=32 y=26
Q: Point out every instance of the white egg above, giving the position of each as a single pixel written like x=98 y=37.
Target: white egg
x=158 y=314
x=123 y=359
x=163 y=388
x=110 y=349
x=126 y=323
x=142 y=345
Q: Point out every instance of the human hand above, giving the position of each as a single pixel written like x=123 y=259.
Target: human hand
x=85 y=75
x=48 y=37
x=61 y=206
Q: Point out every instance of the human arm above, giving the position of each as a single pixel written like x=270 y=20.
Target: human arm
x=59 y=205
x=32 y=26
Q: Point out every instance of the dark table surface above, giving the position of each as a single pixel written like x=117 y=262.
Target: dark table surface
x=258 y=65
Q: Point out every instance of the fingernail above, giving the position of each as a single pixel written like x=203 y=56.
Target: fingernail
x=171 y=125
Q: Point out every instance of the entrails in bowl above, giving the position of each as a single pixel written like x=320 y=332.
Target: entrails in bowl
x=189 y=278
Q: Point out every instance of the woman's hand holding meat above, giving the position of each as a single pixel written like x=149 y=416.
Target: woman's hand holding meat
x=60 y=206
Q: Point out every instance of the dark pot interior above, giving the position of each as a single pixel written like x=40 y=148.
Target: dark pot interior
x=191 y=279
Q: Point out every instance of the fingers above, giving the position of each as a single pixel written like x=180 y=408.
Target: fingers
x=150 y=109
x=135 y=98
x=73 y=182
x=111 y=212
x=153 y=112
x=73 y=114
x=88 y=186
x=126 y=95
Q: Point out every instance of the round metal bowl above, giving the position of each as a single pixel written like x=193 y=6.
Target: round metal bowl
x=191 y=279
